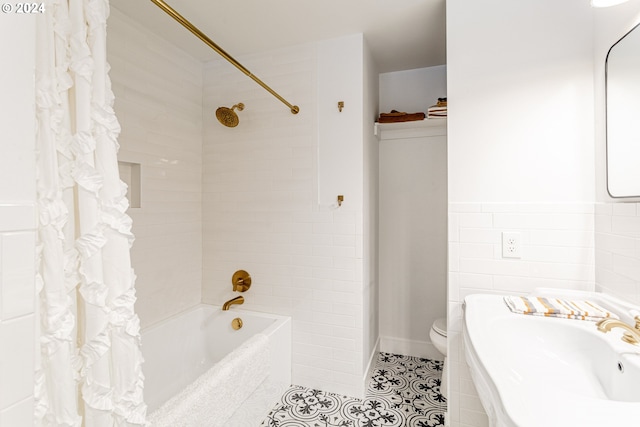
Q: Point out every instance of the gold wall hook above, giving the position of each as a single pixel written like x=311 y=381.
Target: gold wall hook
x=241 y=281
x=340 y=106
x=340 y=199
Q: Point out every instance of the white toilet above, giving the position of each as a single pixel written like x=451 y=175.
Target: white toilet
x=438 y=335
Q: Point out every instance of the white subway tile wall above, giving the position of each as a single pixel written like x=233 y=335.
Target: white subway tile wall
x=17 y=269
x=17 y=313
x=16 y=370
x=617 y=237
x=158 y=92
x=261 y=214
x=17 y=223
x=557 y=250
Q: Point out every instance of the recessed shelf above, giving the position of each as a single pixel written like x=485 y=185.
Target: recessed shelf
x=130 y=174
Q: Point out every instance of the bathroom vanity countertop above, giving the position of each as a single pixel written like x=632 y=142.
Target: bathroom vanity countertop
x=532 y=371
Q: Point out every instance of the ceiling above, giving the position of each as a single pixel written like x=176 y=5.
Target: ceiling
x=401 y=34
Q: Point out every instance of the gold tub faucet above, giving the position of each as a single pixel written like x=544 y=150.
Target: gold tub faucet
x=232 y=301
x=631 y=334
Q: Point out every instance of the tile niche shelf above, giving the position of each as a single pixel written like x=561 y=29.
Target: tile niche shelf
x=413 y=129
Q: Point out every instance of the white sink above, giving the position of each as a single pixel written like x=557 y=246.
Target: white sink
x=540 y=371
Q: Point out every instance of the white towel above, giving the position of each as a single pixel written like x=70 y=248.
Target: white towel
x=556 y=307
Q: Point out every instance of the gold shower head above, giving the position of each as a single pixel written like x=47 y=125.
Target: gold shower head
x=227 y=116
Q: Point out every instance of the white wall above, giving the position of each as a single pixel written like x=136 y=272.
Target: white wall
x=521 y=101
x=17 y=220
x=413 y=236
x=340 y=134
x=371 y=316
x=269 y=201
x=158 y=91
x=413 y=216
x=521 y=157
x=617 y=259
x=617 y=222
x=412 y=91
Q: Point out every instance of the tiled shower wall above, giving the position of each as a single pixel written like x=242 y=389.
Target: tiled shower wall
x=260 y=181
x=17 y=222
x=158 y=91
x=17 y=311
x=262 y=211
x=249 y=197
x=617 y=228
x=557 y=251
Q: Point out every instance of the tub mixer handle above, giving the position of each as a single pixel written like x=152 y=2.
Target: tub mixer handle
x=241 y=281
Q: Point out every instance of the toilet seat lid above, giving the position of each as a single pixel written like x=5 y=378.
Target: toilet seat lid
x=440 y=326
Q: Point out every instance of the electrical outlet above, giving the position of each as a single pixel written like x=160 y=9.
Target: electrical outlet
x=511 y=244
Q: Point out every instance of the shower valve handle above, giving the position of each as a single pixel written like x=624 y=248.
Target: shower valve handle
x=241 y=281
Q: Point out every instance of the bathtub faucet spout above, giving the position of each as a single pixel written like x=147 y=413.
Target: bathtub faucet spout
x=236 y=300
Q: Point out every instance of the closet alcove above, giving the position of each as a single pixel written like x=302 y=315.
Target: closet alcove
x=413 y=233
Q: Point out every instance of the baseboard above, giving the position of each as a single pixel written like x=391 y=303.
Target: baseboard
x=373 y=357
x=407 y=347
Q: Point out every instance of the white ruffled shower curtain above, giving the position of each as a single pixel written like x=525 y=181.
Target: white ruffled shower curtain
x=89 y=365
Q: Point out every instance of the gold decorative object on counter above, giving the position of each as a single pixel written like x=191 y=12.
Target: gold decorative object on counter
x=241 y=281
x=236 y=323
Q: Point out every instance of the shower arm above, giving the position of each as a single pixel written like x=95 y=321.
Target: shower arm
x=189 y=26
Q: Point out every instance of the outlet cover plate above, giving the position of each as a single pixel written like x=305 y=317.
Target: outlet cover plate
x=511 y=244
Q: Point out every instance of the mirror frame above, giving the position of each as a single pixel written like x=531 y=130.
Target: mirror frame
x=606 y=114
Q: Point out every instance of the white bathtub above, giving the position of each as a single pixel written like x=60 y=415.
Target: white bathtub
x=200 y=345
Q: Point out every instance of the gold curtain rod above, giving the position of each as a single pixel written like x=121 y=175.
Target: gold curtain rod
x=189 y=26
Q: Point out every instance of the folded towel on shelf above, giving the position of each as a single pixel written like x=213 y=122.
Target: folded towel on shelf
x=438 y=111
x=397 y=116
x=556 y=307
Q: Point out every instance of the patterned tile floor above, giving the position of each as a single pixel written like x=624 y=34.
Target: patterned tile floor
x=403 y=391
